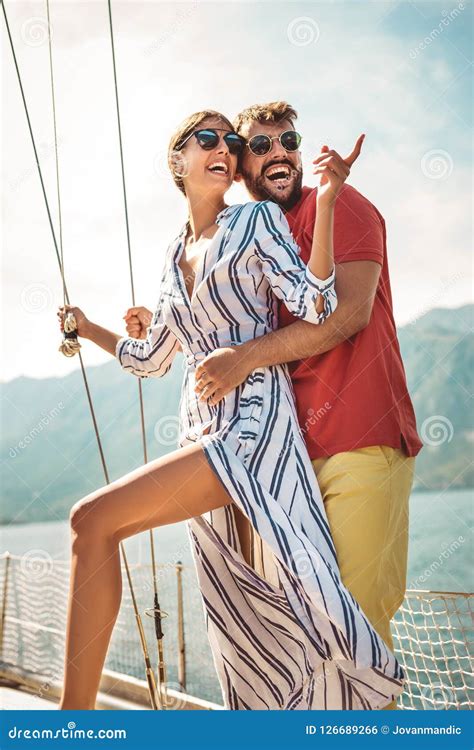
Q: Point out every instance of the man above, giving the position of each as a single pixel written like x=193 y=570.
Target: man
x=349 y=381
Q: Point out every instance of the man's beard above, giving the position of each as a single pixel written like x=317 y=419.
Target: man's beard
x=259 y=188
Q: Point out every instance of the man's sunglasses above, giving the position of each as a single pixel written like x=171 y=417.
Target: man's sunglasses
x=263 y=144
x=208 y=139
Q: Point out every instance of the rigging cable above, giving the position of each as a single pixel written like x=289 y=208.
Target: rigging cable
x=149 y=672
x=155 y=611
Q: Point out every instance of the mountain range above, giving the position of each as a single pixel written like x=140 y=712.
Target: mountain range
x=49 y=450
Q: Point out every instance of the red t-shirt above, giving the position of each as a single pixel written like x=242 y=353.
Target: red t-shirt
x=354 y=395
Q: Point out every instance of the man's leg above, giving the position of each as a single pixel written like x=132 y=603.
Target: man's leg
x=366 y=494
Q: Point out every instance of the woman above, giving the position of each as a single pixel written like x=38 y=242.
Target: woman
x=302 y=641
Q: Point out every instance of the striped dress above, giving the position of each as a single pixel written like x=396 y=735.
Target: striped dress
x=299 y=641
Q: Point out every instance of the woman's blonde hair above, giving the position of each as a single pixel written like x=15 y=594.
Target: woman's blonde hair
x=181 y=133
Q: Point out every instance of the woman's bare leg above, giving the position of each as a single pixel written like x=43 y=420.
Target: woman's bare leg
x=174 y=488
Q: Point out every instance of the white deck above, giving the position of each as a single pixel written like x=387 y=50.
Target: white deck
x=12 y=699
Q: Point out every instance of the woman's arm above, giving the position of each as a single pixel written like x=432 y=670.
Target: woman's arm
x=104 y=338
x=333 y=172
x=153 y=356
x=321 y=262
x=86 y=329
x=148 y=357
x=291 y=281
x=308 y=292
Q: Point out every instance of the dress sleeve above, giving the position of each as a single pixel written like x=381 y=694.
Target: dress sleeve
x=153 y=356
x=291 y=280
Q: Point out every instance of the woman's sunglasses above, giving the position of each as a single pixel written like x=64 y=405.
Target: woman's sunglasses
x=208 y=139
x=262 y=144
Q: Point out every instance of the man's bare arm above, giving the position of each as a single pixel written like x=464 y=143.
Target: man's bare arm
x=224 y=369
x=356 y=284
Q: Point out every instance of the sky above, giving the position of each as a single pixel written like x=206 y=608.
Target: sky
x=398 y=71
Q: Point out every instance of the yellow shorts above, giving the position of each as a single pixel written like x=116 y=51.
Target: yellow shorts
x=366 y=494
